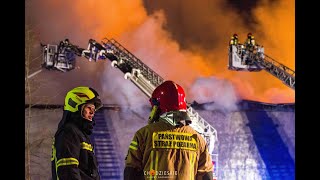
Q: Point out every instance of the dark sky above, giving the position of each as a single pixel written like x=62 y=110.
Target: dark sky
x=200 y=31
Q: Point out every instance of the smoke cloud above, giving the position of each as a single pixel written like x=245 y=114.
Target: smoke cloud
x=184 y=41
x=122 y=92
x=219 y=91
x=204 y=28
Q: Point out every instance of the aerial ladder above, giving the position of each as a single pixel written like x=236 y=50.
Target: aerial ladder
x=134 y=70
x=245 y=58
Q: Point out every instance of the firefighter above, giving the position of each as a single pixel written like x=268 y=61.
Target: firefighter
x=168 y=147
x=61 y=47
x=66 y=42
x=234 y=39
x=93 y=49
x=72 y=151
x=250 y=43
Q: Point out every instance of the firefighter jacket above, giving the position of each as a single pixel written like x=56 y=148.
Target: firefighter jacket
x=73 y=153
x=160 y=150
x=234 y=41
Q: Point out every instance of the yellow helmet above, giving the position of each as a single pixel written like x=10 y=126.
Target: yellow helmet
x=81 y=95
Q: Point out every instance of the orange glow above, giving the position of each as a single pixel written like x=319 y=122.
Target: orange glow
x=107 y=18
x=277 y=27
x=275 y=30
x=162 y=54
x=144 y=36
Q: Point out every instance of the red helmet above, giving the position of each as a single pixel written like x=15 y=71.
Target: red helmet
x=169 y=96
x=235 y=35
x=249 y=35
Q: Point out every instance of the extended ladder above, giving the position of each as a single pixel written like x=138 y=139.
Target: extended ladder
x=147 y=80
x=282 y=72
x=243 y=59
x=142 y=76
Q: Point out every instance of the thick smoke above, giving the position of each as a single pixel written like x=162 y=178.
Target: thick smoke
x=204 y=28
x=122 y=92
x=219 y=91
x=184 y=41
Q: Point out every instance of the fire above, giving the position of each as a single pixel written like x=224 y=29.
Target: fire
x=194 y=46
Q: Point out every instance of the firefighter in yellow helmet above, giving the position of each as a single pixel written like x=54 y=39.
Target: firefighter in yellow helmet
x=250 y=42
x=168 y=147
x=234 y=39
x=72 y=151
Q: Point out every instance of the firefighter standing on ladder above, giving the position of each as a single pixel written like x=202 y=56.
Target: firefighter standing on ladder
x=168 y=147
x=72 y=152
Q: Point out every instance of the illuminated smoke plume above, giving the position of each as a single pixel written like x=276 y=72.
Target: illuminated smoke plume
x=150 y=43
x=216 y=90
x=123 y=92
x=180 y=40
x=204 y=28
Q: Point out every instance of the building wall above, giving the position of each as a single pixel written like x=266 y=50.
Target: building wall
x=239 y=157
x=43 y=123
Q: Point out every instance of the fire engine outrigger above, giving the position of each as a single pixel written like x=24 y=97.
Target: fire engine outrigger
x=62 y=58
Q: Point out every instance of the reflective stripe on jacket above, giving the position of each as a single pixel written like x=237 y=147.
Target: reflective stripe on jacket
x=73 y=155
x=160 y=150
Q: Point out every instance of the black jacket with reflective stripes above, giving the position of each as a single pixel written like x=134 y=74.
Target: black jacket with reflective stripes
x=73 y=155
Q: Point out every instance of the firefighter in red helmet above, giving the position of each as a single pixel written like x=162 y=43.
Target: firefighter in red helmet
x=168 y=147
